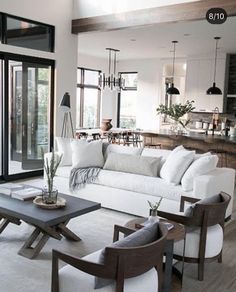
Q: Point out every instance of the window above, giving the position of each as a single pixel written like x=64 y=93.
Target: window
x=88 y=98
x=127 y=101
x=25 y=33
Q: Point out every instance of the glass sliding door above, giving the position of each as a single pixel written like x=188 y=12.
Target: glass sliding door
x=29 y=115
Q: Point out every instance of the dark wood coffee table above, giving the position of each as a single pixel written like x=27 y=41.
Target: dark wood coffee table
x=47 y=223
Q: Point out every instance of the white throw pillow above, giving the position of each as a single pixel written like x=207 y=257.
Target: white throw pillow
x=87 y=154
x=200 y=166
x=176 y=164
x=64 y=148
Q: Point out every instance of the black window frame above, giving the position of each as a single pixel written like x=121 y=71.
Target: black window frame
x=3 y=31
x=5 y=56
x=125 y=88
x=82 y=86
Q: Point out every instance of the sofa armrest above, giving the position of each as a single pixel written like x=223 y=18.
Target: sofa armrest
x=214 y=182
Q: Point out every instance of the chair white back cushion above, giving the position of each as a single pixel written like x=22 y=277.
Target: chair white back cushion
x=87 y=154
x=176 y=164
x=64 y=148
x=214 y=243
x=199 y=166
x=74 y=280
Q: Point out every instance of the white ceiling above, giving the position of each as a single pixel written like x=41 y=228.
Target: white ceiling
x=155 y=41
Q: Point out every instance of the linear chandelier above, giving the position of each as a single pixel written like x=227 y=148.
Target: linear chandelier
x=111 y=81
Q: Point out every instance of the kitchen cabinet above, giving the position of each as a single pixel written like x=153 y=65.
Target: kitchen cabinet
x=199 y=77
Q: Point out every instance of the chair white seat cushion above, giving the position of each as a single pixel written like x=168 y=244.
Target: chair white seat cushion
x=74 y=280
x=214 y=243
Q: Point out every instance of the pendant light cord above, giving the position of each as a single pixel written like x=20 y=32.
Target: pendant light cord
x=217 y=40
x=109 y=62
x=173 y=70
x=114 y=63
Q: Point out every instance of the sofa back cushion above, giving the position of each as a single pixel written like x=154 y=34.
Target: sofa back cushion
x=113 y=148
x=133 y=164
x=87 y=154
x=141 y=237
x=163 y=153
x=64 y=147
x=176 y=164
x=199 y=167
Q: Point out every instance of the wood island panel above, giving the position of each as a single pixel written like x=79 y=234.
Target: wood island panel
x=225 y=146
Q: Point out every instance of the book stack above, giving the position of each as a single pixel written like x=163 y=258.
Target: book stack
x=19 y=191
x=26 y=194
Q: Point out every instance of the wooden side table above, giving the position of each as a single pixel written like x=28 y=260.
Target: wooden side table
x=175 y=234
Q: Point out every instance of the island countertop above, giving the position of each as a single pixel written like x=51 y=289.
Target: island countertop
x=191 y=135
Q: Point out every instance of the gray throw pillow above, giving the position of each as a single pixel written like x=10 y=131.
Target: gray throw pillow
x=142 y=165
x=141 y=237
x=206 y=201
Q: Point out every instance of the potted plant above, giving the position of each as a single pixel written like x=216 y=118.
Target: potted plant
x=153 y=210
x=176 y=112
x=49 y=193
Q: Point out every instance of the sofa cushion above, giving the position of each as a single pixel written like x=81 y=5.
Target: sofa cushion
x=176 y=164
x=64 y=171
x=214 y=242
x=87 y=154
x=141 y=237
x=154 y=186
x=64 y=148
x=200 y=166
x=72 y=279
x=122 y=149
x=133 y=164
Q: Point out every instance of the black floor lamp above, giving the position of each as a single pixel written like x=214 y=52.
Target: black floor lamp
x=67 y=120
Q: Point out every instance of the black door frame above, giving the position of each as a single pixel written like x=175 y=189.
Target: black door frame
x=5 y=133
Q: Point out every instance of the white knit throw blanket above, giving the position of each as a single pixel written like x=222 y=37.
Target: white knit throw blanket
x=79 y=177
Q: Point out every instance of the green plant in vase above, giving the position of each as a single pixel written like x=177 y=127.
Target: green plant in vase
x=49 y=194
x=153 y=210
x=177 y=111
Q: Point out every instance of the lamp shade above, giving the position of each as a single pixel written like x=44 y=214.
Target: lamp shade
x=214 y=90
x=65 y=102
x=172 y=90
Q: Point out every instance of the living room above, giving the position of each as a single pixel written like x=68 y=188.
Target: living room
x=138 y=103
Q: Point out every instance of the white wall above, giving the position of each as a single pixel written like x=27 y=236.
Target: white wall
x=88 y=8
x=149 y=90
x=199 y=77
x=109 y=98
x=59 y=14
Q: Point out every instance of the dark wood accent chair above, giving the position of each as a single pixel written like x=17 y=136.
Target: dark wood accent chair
x=204 y=217
x=120 y=263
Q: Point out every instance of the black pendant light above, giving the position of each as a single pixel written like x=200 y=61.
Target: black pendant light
x=214 y=89
x=172 y=89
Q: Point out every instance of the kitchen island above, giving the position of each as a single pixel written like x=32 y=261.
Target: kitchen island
x=224 y=147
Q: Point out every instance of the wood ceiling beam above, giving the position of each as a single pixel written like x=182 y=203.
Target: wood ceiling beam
x=165 y=14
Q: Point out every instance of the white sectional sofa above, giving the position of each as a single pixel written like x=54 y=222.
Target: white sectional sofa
x=128 y=192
